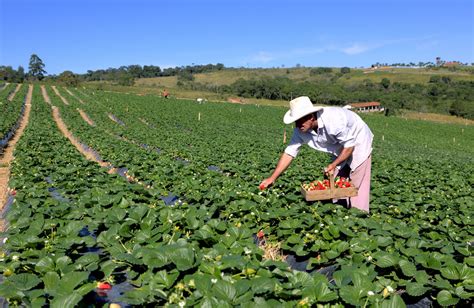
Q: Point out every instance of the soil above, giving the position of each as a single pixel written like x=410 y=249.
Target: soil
x=7 y=157
x=86 y=117
x=89 y=154
x=72 y=94
x=12 y=96
x=59 y=94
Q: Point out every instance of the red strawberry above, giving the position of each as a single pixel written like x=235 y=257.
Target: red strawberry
x=103 y=286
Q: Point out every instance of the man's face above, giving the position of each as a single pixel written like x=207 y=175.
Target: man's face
x=306 y=123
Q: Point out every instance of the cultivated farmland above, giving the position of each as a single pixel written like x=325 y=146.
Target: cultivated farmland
x=166 y=209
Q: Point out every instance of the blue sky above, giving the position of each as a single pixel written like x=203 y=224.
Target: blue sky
x=81 y=35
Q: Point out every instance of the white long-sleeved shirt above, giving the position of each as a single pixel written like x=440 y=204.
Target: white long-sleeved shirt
x=338 y=128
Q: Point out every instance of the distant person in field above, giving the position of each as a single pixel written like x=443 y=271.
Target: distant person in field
x=333 y=130
x=166 y=94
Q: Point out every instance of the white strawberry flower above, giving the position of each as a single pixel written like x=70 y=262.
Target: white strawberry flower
x=370 y=293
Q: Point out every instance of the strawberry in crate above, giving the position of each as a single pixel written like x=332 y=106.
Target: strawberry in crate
x=317 y=185
x=341 y=182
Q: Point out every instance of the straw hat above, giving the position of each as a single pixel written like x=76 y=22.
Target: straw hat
x=299 y=107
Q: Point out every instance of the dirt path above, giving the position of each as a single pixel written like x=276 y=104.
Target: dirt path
x=45 y=95
x=4 y=86
x=89 y=154
x=59 y=94
x=7 y=157
x=72 y=94
x=86 y=117
x=115 y=119
x=12 y=96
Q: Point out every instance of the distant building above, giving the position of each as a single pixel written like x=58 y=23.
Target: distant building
x=366 y=107
x=451 y=64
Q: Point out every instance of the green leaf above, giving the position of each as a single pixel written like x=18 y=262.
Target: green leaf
x=44 y=265
x=24 y=281
x=67 y=300
x=261 y=285
x=384 y=241
x=433 y=263
x=87 y=259
x=331 y=254
x=294 y=239
x=352 y=295
x=394 y=302
x=124 y=203
x=383 y=259
x=224 y=290
x=408 y=268
x=183 y=258
x=422 y=277
x=301 y=279
x=334 y=230
x=62 y=263
x=463 y=294
x=70 y=281
x=444 y=298
x=416 y=289
x=51 y=282
x=319 y=292
x=166 y=279
x=450 y=272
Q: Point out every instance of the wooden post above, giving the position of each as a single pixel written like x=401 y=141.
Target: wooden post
x=199 y=116
x=284 y=136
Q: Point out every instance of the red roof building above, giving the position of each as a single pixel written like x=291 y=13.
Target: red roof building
x=366 y=107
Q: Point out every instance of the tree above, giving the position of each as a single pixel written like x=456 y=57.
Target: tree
x=385 y=83
x=185 y=76
x=345 y=70
x=7 y=73
x=68 y=78
x=125 y=79
x=36 y=67
x=20 y=74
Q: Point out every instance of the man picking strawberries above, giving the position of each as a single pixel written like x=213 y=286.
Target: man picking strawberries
x=333 y=130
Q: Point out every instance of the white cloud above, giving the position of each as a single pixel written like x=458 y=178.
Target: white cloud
x=356 y=48
x=262 y=57
x=350 y=49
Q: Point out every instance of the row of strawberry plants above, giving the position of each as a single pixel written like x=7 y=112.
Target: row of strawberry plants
x=11 y=111
x=46 y=258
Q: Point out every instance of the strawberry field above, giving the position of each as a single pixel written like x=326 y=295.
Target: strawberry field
x=176 y=216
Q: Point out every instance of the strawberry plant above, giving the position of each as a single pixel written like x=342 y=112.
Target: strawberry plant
x=187 y=234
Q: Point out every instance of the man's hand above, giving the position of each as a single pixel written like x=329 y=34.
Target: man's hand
x=330 y=168
x=265 y=183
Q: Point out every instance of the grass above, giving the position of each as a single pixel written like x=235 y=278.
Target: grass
x=434 y=117
x=229 y=76
x=155 y=86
